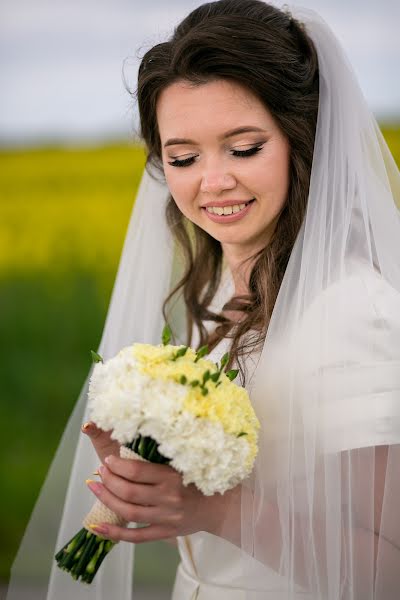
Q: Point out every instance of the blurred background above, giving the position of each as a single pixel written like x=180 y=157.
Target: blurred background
x=70 y=164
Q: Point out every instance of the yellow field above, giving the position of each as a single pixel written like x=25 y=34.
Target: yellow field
x=61 y=208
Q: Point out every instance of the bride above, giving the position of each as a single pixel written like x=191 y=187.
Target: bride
x=266 y=224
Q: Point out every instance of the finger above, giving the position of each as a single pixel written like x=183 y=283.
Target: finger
x=89 y=428
x=95 y=432
x=133 y=513
x=101 y=440
x=132 y=492
x=140 y=471
x=135 y=535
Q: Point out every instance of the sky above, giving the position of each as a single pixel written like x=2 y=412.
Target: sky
x=62 y=61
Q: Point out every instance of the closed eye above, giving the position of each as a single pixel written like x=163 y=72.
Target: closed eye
x=248 y=152
x=185 y=162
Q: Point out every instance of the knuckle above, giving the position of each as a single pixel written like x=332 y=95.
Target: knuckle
x=176 y=500
x=132 y=514
x=139 y=536
x=129 y=496
x=104 y=475
x=125 y=494
x=163 y=487
x=176 y=518
x=176 y=477
x=134 y=469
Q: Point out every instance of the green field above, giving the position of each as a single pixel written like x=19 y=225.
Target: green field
x=63 y=217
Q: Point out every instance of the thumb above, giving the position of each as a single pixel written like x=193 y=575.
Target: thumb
x=101 y=440
x=91 y=429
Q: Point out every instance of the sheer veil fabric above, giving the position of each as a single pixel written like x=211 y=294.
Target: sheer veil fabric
x=320 y=507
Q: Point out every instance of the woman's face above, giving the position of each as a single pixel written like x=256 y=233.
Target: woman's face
x=223 y=152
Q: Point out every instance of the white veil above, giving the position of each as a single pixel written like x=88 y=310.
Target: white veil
x=327 y=385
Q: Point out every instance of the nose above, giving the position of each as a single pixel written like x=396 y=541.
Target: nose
x=215 y=181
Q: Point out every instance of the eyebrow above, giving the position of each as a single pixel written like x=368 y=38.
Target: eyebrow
x=228 y=134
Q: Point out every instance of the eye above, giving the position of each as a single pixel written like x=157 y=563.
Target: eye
x=184 y=162
x=248 y=152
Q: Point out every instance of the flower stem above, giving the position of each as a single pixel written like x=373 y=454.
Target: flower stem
x=83 y=554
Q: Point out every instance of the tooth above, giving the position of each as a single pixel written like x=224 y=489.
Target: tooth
x=235 y=208
x=241 y=206
x=227 y=210
x=210 y=209
x=219 y=210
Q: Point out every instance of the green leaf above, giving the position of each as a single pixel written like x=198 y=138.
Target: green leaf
x=215 y=376
x=206 y=376
x=166 y=335
x=201 y=352
x=204 y=391
x=180 y=352
x=96 y=357
x=195 y=382
x=232 y=374
x=219 y=383
x=183 y=379
x=224 y=360
x=241 y=434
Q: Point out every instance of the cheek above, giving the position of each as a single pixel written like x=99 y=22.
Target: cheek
x=273 y=179
x=182 y=190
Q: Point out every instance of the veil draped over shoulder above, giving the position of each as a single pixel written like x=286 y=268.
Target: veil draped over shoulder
x=321 y=508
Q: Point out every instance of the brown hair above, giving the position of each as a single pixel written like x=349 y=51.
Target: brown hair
x=266 y=50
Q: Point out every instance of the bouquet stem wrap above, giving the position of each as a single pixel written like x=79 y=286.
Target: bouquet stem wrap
x=84 y=553
x=100 y=513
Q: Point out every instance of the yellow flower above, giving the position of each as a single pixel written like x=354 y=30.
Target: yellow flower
x=226 y=403
x=155 y=361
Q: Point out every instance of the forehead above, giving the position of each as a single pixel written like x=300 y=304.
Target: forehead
x=220 y=105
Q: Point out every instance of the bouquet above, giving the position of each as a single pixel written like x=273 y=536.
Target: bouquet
x=170 y=405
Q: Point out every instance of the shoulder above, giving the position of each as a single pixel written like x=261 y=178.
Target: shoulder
x=362 y=294
x=355 y=319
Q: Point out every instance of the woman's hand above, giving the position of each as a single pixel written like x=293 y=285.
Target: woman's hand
x=101 y=440
x=154 y=495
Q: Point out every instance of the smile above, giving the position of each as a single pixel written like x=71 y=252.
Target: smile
x=227 y=214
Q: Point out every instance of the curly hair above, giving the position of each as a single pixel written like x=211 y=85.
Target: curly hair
x=267 y=51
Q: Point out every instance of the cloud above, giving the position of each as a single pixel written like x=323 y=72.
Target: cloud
x=61 y=60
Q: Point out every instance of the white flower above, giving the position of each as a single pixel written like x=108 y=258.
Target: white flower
x=129 y=402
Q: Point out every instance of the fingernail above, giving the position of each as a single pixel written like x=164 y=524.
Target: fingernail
x=107 y=459
x=101 y=470
x=94 y=485
x=96 y=473
x=99 y=528
x=86 y=427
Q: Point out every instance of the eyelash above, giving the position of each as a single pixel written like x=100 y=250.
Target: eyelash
x=185 y=162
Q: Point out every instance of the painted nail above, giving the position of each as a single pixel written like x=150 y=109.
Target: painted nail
x=99 y=528
x=94 y=485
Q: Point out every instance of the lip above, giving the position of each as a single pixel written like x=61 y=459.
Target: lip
x=229 y=218
x=226 y=203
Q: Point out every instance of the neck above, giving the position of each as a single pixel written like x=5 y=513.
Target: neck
x=239 y=267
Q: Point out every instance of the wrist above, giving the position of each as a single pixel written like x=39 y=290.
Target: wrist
x=224 y=514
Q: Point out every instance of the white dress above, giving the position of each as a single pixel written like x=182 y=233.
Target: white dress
x=212 y=568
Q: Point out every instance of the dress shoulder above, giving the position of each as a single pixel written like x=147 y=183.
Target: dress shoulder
x=351 y=360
